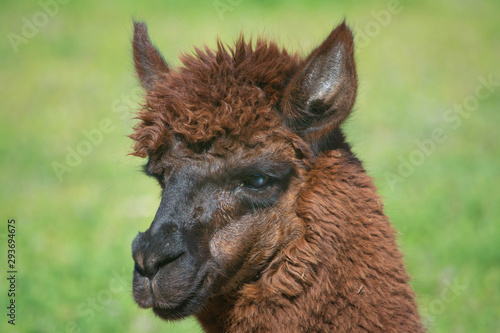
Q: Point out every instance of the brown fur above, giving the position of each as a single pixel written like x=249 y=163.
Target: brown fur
x=216 y=94
x=318 y=255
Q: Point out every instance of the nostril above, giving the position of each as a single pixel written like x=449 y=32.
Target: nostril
x=168 y=259
x=153 y=251
x=155 y=261
x=139 y=269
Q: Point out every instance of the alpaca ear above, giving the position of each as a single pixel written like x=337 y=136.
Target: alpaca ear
x=322 y=93
x=149 y=63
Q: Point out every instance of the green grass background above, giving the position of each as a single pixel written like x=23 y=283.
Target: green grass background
x=74 y=235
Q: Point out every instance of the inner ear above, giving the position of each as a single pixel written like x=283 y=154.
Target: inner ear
x=149 y=64
x=321 y=94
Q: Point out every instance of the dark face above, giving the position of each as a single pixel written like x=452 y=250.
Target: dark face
x=230 y=136
x=223 y=215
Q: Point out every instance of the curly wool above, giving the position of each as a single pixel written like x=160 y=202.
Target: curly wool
x=229 y=92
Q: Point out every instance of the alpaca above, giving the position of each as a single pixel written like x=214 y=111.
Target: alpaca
x=267 y=221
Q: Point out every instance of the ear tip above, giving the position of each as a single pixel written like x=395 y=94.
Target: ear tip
x=343 y=29
x=149 y=63
x=342 y=34
x=140 y=28
x=139 y=24
x=344 y=23
x=141 y=36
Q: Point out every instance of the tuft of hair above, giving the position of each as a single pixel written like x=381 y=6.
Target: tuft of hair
x=226 y=92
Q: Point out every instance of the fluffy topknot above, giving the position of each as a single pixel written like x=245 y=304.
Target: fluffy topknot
x=224 y=92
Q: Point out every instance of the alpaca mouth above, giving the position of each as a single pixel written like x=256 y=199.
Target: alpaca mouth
x=193 y=300
x=174 y=299
x=185 y=308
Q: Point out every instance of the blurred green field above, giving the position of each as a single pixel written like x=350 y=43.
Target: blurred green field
x=70 y=74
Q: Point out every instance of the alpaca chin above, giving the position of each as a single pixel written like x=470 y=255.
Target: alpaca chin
x=176 y=290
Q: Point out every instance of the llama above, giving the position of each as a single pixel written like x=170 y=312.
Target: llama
x=267 y=221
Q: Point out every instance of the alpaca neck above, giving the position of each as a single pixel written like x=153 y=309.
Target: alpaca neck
x=344 y=274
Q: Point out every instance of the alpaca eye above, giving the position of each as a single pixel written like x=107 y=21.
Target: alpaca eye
x=256 y=181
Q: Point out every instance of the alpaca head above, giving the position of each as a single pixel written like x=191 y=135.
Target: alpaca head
x=230 y=136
